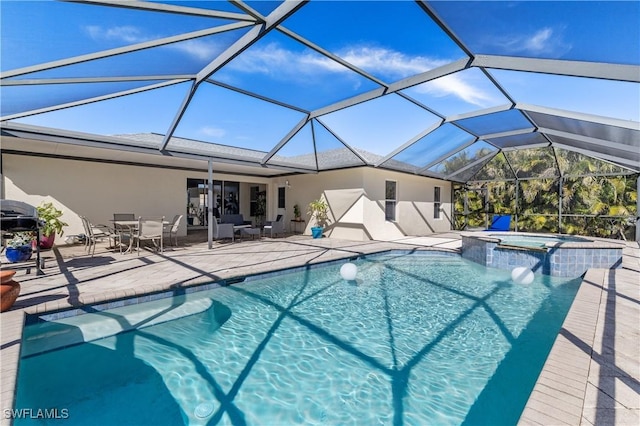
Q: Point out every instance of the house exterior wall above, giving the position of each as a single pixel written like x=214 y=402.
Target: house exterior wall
x=355 y=196
x=414 y=211
x=97 y=190
x=356 y=201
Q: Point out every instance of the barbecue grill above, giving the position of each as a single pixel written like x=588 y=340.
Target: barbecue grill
x=19 y=217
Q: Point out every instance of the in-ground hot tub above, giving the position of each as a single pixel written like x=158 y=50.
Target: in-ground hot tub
x=551 y=254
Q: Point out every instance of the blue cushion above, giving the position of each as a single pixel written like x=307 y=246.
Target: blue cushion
x=500 y=222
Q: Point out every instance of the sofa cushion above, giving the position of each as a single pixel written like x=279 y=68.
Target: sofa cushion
x=235 y=219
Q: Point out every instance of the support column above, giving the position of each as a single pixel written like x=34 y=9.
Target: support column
x=560 y=189
x=465 y=211
x=638 y=211
x=516 y=208
x=486 y=207
x=210 y=217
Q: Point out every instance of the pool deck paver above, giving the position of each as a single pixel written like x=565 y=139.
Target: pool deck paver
x=591 y=376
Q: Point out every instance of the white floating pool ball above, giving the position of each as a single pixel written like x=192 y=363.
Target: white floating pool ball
x=348 y=271
x=522 y=275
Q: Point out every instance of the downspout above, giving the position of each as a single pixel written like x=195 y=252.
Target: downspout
x=517 y=203
x=560 y=185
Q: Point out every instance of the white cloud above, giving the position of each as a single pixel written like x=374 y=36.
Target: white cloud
x=457 y=85
x=127 y=33
x=545 y=41
x=282 y=63
x=389 y=63
x=212 y=131
x=539 y=41
x=198 y=49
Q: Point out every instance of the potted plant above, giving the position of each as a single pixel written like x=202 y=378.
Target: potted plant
x=9 y=290
x=19 y=248
x=296 y=212
x=319 y=210
x=52 y=224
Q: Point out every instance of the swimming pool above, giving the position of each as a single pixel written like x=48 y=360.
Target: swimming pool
x=418 y=339
x=536 y=240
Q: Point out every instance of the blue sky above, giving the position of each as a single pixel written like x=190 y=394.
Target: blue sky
x=389 y=40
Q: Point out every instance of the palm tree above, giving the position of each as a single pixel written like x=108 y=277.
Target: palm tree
x=590 y=188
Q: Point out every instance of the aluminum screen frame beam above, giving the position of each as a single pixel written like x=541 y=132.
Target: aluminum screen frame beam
x=121 y=50
x=162 y=7
x=281 y=13
x=42 y=134
x=600 y=70
x=91 y=100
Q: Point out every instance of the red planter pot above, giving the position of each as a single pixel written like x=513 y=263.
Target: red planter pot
x=47 y=242
x=9 y=290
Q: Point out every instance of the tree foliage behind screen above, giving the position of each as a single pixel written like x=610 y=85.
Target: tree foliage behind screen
x=595 y=200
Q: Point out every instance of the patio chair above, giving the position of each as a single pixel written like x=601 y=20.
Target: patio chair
x=500 y=223
x=97 y=233
x=123 y=230
x=150 y=230
x=171 y=231
x=223 y=230
x=274 y=227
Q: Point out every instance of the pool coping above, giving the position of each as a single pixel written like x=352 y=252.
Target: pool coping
x=556 y=258
x=540 y=409
x=592 y=242
x=195 y=287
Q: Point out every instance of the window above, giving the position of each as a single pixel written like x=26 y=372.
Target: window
x=390 y=200
x=231 y=197
x=281 y=197
x=436 y=202
x=253 y=200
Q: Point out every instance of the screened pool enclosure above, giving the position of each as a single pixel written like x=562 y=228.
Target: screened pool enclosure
x=522 y=105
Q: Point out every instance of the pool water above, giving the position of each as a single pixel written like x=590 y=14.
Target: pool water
x=536 y=240
x=417 y=339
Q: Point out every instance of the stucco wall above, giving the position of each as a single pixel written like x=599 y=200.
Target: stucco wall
x=356 y=200
x=97 y=190
x=414 y=211
x=355 y=196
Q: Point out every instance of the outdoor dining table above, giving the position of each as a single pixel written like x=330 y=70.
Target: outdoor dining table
x=132 y=227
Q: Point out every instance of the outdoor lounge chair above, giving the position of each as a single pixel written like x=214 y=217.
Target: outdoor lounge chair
x=274 y=227
x=500 y=223
x=223 y=230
